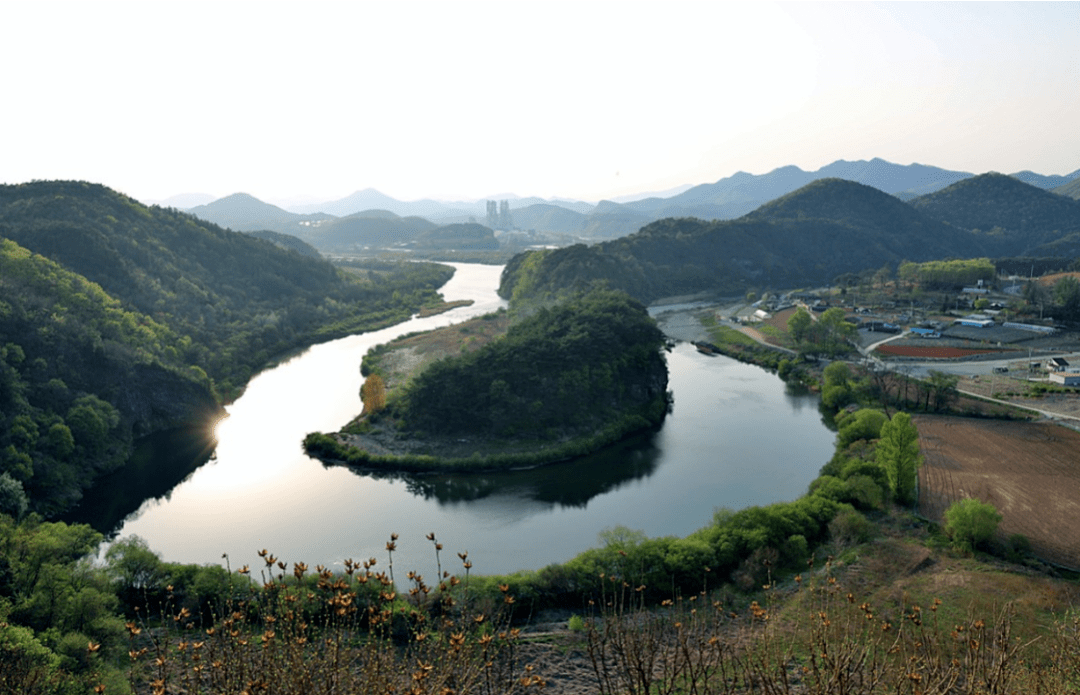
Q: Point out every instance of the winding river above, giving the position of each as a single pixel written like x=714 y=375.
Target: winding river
x=738 y=436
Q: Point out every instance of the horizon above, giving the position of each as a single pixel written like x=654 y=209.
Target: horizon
x=292 y=103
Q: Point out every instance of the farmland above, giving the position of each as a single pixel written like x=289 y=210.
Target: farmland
x=1030 y=471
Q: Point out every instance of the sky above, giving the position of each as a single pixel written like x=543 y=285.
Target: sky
x=310 y=101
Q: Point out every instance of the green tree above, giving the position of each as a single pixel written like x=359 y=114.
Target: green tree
x=971 y=523
x=898 y=453
x=799 y=325
x=836 y=385
x=1067 y=295
x=865 y=423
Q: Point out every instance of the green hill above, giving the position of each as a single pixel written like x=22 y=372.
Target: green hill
x=1070 y=189
x=233 y=300
x=367 y=229
x=288 y=242
x=117 y=320
x=826 y=228
x=80 y=377
x=1012 y=217
x=468 y=236
x=568 y=370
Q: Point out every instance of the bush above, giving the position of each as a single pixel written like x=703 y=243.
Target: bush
x=851 y=528
x=970 y=523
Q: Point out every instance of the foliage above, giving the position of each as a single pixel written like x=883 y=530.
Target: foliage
x=373 y=394
x=971 y=522
x=863 y=424
x=571 y=368
x=168 y=315
x=1067 y=296
x=898 y=453
x=950 y=274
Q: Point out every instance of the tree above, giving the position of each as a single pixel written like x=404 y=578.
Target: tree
x=971 y=522
x=943 y=387
x=1067 y=295
x=799 y=325
x=373 y=394
x=898 y=453
x=836 y=385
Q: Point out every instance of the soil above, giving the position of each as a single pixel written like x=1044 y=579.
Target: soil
x=1030 y=471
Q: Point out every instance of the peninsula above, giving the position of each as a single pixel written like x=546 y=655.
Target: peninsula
x=508 y=389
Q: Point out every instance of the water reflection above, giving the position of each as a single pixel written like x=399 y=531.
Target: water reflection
x=159 y=463
x=567 y=484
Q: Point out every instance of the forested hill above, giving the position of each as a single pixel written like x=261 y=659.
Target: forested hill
x=1013 y=217
x=590 y=362
x=234 y=301
x=117 y=320
x=79 y=378
x=824 y=229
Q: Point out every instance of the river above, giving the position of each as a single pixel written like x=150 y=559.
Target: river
x=737 y=436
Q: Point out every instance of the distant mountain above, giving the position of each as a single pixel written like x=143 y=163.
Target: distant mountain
x=1070 y=189
x=741 y=193
x=184 y=201
x=1016 y=218
x=372 y=228
x=549 y=218
x=809 y=236
x=245 y=213
x=728 y=198
x=369 y=198
x=1045 y=182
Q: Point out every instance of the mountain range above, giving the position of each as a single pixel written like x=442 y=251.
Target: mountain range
x=728 y=198
x=824 y=229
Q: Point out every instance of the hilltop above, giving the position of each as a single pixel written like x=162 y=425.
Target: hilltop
x=810 y=236
x=1016 y=219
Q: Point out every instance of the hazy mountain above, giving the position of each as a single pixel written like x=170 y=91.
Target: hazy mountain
x=184 y=201
x=370 y=198
x=545 y=217
x=245 y=213
x=728 y=198
x=1045 y=182
x=741 y=193
x=1015 y=217
x=1070 y=189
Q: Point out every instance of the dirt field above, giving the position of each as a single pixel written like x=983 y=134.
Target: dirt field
x=1030 y=471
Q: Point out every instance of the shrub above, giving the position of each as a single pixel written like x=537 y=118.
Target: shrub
x=971 y=523
x=849 y=527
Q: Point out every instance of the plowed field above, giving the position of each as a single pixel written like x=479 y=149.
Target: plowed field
x=1030 y=471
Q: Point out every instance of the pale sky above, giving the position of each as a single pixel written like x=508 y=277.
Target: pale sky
x=465 y=100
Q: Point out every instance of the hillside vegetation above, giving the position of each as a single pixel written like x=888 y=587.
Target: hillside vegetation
x=117 y=320
x=827 y=228
x=559 y=383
